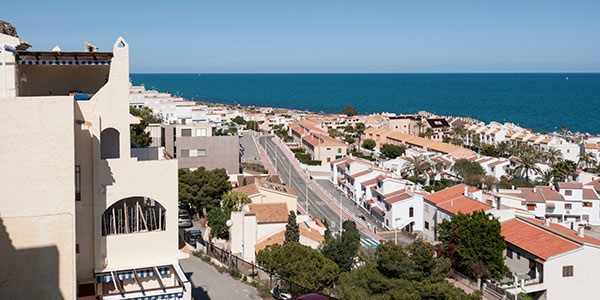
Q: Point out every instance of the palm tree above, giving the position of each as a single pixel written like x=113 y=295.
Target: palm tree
x=417 y=165
x=526 y=164
x=562 y=169
x=552 y=156
x=503 y=149
x=587 y=160
x=546 y=177
x=359 y=129
x=458 y=133
x=420 y=124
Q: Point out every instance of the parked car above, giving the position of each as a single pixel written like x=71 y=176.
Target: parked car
x=191 y=236
x=185 y=220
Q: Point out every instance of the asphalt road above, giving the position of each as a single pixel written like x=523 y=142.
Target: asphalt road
x=209 y=284
x=250 y=153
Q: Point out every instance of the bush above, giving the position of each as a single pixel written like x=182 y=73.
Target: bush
x=235 y=273
x=205 y=258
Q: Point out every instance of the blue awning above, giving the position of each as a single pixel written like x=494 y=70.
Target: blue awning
x=107 y=277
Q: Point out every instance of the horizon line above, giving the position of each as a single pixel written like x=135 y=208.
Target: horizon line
x=365 y=73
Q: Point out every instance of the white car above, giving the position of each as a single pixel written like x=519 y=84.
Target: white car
x=185 y=220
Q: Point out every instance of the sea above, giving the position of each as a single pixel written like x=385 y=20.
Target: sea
x=542 y=102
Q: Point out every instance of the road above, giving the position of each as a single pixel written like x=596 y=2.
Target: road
x=210 y=284
x=298 y=181
x=323 y=199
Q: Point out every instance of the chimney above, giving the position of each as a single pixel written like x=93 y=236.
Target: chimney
x=534 y=189
x=466 y=191
x=581 y=230
x=547 y=221
x=452 y=202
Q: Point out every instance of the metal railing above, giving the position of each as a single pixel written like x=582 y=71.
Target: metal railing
x=251 y=270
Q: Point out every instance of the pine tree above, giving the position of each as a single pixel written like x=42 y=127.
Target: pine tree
x=292 y=230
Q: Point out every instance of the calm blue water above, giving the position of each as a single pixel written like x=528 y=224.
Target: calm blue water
x=538 y=101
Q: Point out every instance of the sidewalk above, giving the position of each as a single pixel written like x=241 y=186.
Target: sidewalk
x=316 y=188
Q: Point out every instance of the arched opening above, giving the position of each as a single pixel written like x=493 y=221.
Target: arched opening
x=109 y=143
x=133 y=214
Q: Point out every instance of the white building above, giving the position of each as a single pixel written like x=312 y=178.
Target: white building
x=81 y=216
x=550 y=261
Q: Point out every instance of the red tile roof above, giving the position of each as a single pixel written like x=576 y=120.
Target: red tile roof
x=369 y=182
x=397 y=198
x=570 y=185
x=449 y=193
x=365 y=172
x=595 y=184
x=269 y=212
x=463 y=205
x=535 y=240
x=590 y=194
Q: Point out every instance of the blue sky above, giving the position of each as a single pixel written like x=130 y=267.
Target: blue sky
x=324 y=36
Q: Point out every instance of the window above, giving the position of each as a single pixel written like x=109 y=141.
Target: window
x=201 y=152
x=328 y=148
x=339 y=150
x=587 y=204
x=134 y=214
x=76 y=248
x=530 y=206
x=77 y=183
x=109 y=143
x=185 y=153
x=426 y=225
x=568 y=192
x=568 y=206
x=567 y=271
x=411 y=212
x=186 y=132
x=509 y=253
x=531 y=264
x=200 y=131
x=518 y=255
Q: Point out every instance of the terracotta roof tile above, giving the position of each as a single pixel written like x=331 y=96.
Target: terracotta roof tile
x=448 y=193
x=595 y=184
x=397 y=198
x=247 y=190
x=312 y=234
x=464 y=205
x=276 y=238
x=570 y=185
x=365 y=172
x=369 y=182
x=590 y=194
x=535 y=240
x=269 y=212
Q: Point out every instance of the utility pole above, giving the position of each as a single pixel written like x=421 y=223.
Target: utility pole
x=341 y=213
x=306 y=196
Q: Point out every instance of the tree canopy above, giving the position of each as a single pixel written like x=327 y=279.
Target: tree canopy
x=292 y=230
x=235 y=200
x=217 y=221
x=411 y=272
x=391 y=151
x=469 y=171
x=474 y=244
x=202 y=188
x=344 y=248
x=299 y=264
x=252 y=125
x=349 y=111
x=239 y=120
x=139 y=136
x=369 y=144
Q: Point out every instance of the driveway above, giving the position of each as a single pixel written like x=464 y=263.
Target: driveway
x=209 y=284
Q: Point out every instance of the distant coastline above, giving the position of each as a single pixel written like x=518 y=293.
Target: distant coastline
x=541 y=101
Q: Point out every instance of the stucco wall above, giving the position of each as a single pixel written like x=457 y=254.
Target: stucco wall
x=37 y=207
